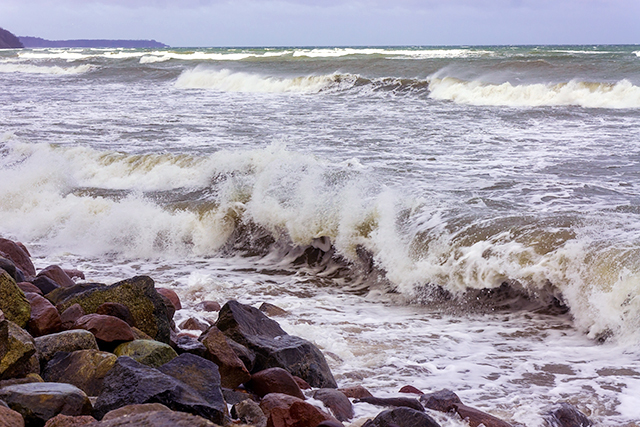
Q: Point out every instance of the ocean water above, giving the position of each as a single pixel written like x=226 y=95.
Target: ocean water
x=446 y=217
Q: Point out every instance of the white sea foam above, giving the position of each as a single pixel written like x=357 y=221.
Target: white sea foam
x=622 y=94
x=417 y=53
x=13 y=67
x=228 y=81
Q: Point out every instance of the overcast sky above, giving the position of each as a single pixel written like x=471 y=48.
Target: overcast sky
x=195 y=23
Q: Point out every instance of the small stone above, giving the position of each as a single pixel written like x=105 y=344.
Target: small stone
x=194 y=324
x=189 y=344
x=567 y=415
x=355 y=392
x=173 y=297
x=148 y=352
x=72 y=272
x=10 y=418
x=57 y=274
x=443 y=400
x=274 y=380
x=249 y=412
x=336 y=401
x=283 y=410
x=208 y=306
x=410 y=389
x=272 y=310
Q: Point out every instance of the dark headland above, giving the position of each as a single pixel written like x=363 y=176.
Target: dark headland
x=9 y=41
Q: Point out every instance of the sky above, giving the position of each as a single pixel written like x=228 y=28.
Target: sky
x=213 y=23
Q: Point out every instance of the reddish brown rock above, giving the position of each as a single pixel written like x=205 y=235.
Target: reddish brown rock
x=74 y=273
x=208 y=306
x=336 y=401
x=29 y=287
x=356 y=392
x=272 y=310
x=139 y=408
x=61 y=420
x=10 y=418
x=398 y=402
x=108 y=330
x=16 y=252
x=232 y=370
x=118 y=310
x=172 y=296
x=70 y=315
x=274 y=380
x=283 y=410
x=57 y=274
x=45 y=284
x=446 y=401
x=302 y=383
x=45 y=318
x=410 y=389
x=194 y=325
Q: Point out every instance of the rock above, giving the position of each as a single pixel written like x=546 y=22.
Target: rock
x=38 y=402
x=148 y=352
x=108 y=330
x=139 y=335
x=236 y=396
x=17 y=349
x=194 y=325
x=8 y=266
x=135 y=409
x=272 y=310
x=57 y=274
x=405 y=402
x=283 y=410
x=208 y=306
x=158 y=419
x=172 y=296
x=130 y=382
x=249 y=412
x=302 y=383
x=336 y=401
x=45 y=284
x=355 y=392
x=247 y=356
x=13 y=302
x=84 y=369
x=410 y=389
x=29 y=287
x=138 y=294
x=330 y=423
x=567 y=415
x=189 y=344
x=18 y=254
x=274 y=380
x=403 y=417
x=10 y=418
x=201 y=375
x=447 y=401
x=45 y=318
x=232 y=370
x=66 y=341
x=30 y=378
x=70 y=315
x=72 y=272
x=61 y=420
x=273 y=346
x=117 y=310
x=63 y=294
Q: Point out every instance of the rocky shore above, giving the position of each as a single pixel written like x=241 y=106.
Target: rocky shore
x=74 y=353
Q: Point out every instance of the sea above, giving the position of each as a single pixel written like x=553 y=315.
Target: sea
x=460 y=217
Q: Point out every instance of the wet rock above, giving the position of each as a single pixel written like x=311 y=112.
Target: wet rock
x=247 y=356
x=208 y=306
x=336 y=401
x=446 y=401
x=134 y=409
x=274 y=380
x=17 y=351
x=67 y=341
x=8 y=266
x=249 y=412
x=84 y=369
x=172 y=296
x=44 y=318
x=189 y=344
x=355 y=392
x=272 y=346
x=13 y=302
x=410 y=389
x=29 y=287
x=118 y=310
x=17 y=253
x=283 y=410
x=272 y=310
x=72 y=272
x=61 y=420
x=130 y=382
x=232 y=370
x=157 y=419
x=405 y=402
x=70 y=315
x=194 y=324
x=148 y=352
x=139 y=335
x=236 y=396
x=403 y=417
x=30 y=378
x=302 y=383
x=57 y=274
x=442 y=400
x=139 y=295
x=567 y=415
x=330 y=423
x=45 y=284
x=201 y=375
x=38 y=402
x=108 y=330
x=10 y=418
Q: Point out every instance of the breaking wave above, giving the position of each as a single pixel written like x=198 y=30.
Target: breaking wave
x=42 y=69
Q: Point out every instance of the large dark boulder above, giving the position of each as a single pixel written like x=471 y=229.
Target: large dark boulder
x=84 y=369
x=273 y=347
x=232 y=369
x=17 y=351
x=130 y=382
x=148 y=352
x=78 y=339
x=16 y=252
x=13 y=302
x=402 y=417
x=147 y=306
x=38 y=402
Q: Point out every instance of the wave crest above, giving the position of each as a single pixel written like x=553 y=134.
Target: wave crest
x=42 y=69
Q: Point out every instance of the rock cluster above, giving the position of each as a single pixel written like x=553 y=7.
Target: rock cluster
x=80 y=353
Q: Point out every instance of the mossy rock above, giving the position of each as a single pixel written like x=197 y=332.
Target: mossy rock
x=13 y=303
x=84 y=369
x=148 y=352
x=17 y=348
x=138 y=294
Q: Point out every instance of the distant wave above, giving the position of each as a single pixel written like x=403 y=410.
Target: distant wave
x=622 y=94
x=417 y=53
x=41 y=69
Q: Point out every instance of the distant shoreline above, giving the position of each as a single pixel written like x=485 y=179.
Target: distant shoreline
x=37 y=42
